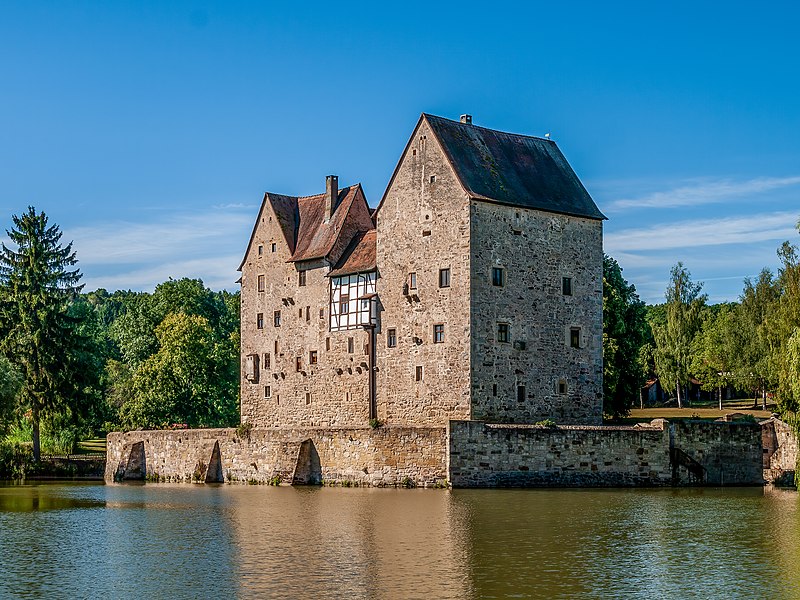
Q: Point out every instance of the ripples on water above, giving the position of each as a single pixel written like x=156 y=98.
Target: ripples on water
x=162 y=541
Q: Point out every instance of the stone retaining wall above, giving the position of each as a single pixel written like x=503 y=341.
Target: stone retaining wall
x=780 y=452
x=659 y=454
x=385 y=456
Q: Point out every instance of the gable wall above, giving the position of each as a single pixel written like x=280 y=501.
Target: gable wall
x=536 y=249
x=296 y=338
x=413 y=205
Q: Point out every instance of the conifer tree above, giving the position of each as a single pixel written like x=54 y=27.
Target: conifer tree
x=39 y=332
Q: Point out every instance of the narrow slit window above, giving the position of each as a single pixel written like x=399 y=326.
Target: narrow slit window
x=498 y=277
x=276 y=348
x=494 y=389
x=260 y=250
x=298 y=364
x=350 y=345
x=273 y=247
x=327 y=343
x=566 y=286
x=267 y=391
x=308 y=398
x=444 y=278
x=308 y=314
x=418 y=373
x=520 y=393
x=391 y=338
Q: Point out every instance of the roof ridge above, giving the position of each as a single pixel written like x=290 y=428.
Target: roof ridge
x=525 y=135
x=346 y=187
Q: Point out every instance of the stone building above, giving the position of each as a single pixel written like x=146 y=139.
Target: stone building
x=473 y=292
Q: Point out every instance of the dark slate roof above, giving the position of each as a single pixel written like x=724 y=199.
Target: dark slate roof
x=359 y=256
x=513 y=169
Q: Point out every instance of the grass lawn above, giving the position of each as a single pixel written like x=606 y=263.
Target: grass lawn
x=92 y=446
x=708 y=411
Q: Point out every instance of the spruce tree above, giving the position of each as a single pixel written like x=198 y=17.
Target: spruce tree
x=40 y=332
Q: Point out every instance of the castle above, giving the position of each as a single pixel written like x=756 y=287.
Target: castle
x=473 y=291
x=435 y=340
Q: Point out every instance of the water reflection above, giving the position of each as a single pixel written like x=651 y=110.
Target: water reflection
x=182 y=541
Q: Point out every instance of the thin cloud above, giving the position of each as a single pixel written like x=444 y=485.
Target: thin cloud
x=711 y=232
x=706 y=192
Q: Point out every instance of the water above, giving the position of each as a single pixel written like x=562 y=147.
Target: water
x=183 y=541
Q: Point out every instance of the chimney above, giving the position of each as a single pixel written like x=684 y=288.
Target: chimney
x=331 y=195
x=466 y=119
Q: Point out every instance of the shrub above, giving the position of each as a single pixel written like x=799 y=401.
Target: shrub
x=15 y=459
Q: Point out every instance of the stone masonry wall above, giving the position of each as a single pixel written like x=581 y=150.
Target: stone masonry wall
x=422 y=227
x=518 y=381
x=780 y=452
x=483 y=455
x=332 y=393
x=386 y=456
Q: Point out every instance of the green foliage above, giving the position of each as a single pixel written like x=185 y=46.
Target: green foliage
x=244 y=430
x=715 y=348
x=15 y=459
x=548 y=423
x=46 y=332
x=675 y=336
x=375 y=423
x=624 y=334
x=10 y=385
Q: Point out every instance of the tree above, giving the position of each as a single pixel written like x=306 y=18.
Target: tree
x=715 y=349
x=184 y=381
x=10 y=383
x=785 y=329
x=624 y=332
x=674 y=338
x=754 y=359
x=40 y=325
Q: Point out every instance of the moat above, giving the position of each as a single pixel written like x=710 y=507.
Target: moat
x=179 y=541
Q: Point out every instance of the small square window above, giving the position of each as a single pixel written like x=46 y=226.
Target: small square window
x=498 y=276
x=267 y=361
x=261 y=284
x=298 y=364
x=267 y=391
x=566 y=286
x=418 y=373
x=520 y=393
x=503 y=332
x=273 y=246
x=391 y=338
x=301 y=278
x=433 y=179
x=412 y=281
x=438 y=334
x=312 y=357
x=276 y=318
x=260 y=250
x=575 y=337
x=350 y=345
x=444 y=278
x=260 y=320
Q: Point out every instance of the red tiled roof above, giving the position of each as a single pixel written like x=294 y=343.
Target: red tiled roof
x=359 y=256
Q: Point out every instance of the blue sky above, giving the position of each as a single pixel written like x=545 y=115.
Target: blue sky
x=149 y=130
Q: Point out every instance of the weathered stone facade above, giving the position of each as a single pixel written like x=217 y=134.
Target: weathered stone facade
x=423 y=227
x=304 y=374
x=536 y=373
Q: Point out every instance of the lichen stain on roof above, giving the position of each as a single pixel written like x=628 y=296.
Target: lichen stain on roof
x=513 y=169
x=359 y=256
